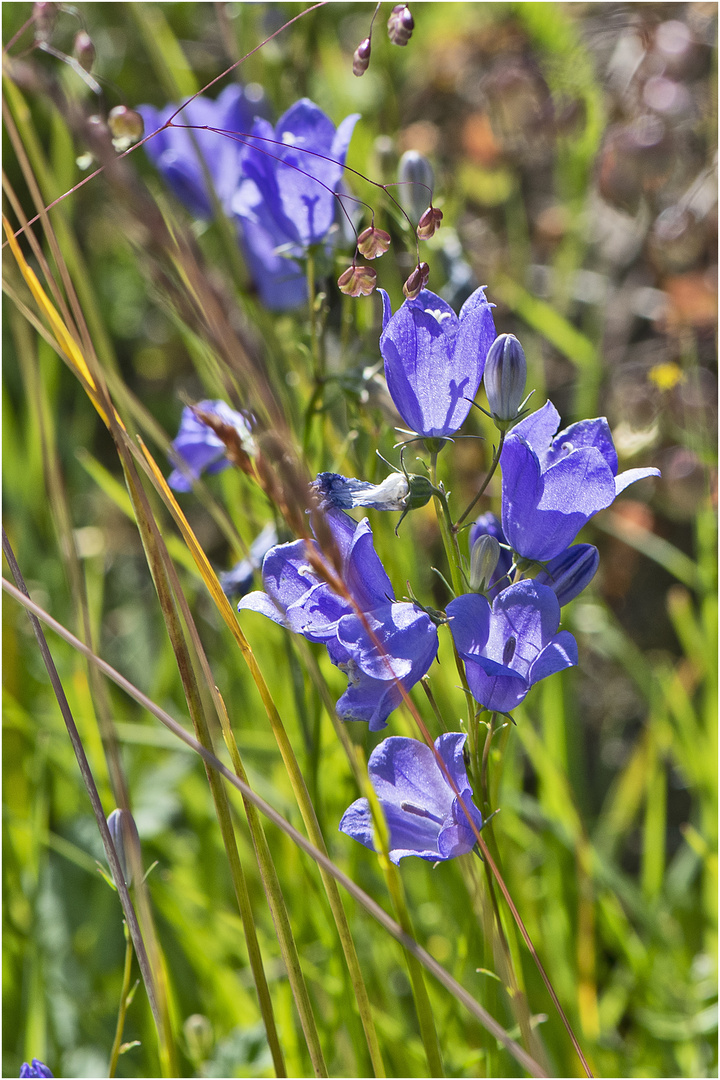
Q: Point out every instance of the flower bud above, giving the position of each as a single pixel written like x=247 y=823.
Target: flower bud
x=400 y=25
x=84 y=50
x=484 y=557
x=199 y=1036
x=44 y=16
x=361 y=58
x=505 y=376
x=373 y=242
x=570 y=572
x=417 y=281
x=357 y=281
x=125 y=123
x=420 y=493
x=416 y=179
x=126 y=841
x=429 y=223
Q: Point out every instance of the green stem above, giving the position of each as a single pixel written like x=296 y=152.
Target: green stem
x=318 y=372
x=423 y=1006
x=486 y=481
x=124 y=1002
x=449 y=537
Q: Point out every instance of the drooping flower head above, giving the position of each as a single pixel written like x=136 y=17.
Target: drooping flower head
x=512 y=645
x=434 y=359
x=376 y=641
x=553 y=484
x=424 y=815
x=179 y=153
x=286 y=202
x=198 y=445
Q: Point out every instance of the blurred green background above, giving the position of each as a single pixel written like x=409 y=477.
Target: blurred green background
x=574 y=150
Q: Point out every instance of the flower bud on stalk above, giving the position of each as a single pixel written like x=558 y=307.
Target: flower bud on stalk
x=571 y=572
x=126 y=840
x=429 y=223
x=84 y=50
x=361 y=58
x=373 y=242
x=400 y=25
x=357 y=281
x=504 y=378
x=417 y=281
x=484 y=558
x=125 y=123
x=44 y=16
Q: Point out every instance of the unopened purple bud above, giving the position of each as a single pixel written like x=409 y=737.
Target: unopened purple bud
x=373 y=242
x=126 y=840
x=125 y=123
x=570 y=572
x=84 y=50
x=505 y=377
x=44 y=16
x=417 y=281
x=357 y=281
x=36 y=1069
x=484 y=558
x=416 y=180
x=400 y=25
x=361 y=58
x=429 y=223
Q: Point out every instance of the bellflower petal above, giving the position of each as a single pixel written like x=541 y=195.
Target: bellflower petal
x=237 y=581
x=36 y=1069
x=513 y=645
x=551 y=486
x=569 y=573
x=424 y=815
x=391 y=642
x=346 y=493
x=199 y=448
x=434 y=360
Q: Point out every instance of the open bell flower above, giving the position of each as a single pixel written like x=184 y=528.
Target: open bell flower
x=424 y=815
x=383 y=646
x=434 y=359
x=510 y=646
x=199 y=448
x=553 y=484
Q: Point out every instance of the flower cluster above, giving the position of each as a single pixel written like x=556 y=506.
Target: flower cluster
x=523 y=568
x=278 y=184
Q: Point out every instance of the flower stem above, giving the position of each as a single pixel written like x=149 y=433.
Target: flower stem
x=486 y=481
x=124 y=1002
x=449 y=536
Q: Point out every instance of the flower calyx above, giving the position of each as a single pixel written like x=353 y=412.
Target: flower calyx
x=357 y=281
x=373 y=242
x=417 y=281
x=400 y=25
x=429 y=223
x=361 y=58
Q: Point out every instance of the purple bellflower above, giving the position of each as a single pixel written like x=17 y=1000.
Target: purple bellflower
x=434 y=359
x=553 y=484
x=199 y=448
x=569 y=573
x=346 y=493
x=402 y=641
x=238 y=580
x=511 y=646
x=176 y=158
x=424 y=815
x=35 y=1069
x=286 y=202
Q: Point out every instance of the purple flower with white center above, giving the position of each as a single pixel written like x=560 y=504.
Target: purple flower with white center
x=36 y=1069
x=434 y=359
x=393 y=643
x=287 y=202
x=238 y=580
x=176 y=158
x=346 y=493
x=553 y=484
x=198 y=446
x=568 y=574
x=511 y=646
x=424 y=815
x=489 y=524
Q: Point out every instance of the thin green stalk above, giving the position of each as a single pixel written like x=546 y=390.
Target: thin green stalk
x=449 y=537
x=124 y=1002
x=483 y=486
x=423 y=1006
